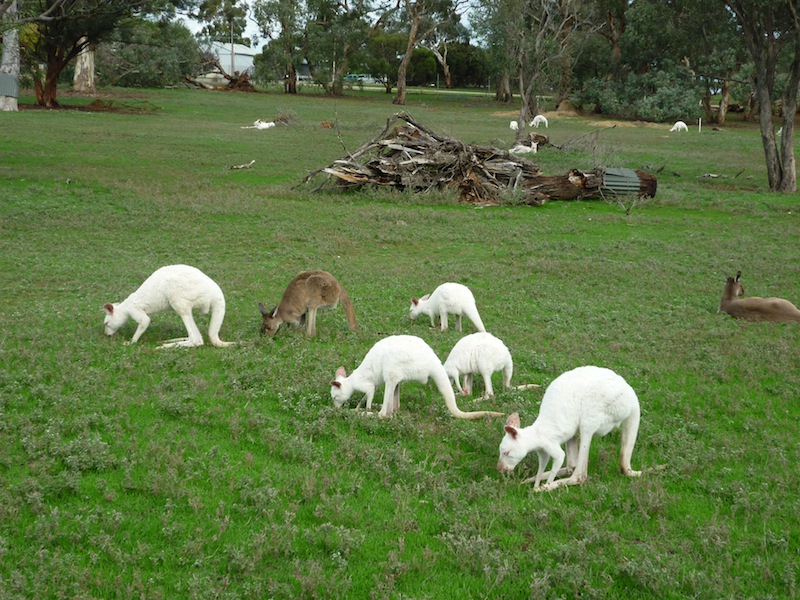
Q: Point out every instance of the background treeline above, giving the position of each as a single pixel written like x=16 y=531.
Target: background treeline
x=647 y=59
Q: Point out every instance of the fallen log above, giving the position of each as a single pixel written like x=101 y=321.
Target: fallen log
x=408 y=155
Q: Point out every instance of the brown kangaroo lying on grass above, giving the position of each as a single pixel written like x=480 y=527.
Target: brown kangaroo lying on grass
x=305 y=294
x=755 y=309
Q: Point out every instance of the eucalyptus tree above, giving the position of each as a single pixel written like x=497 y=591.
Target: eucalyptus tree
x=711 y=48
x=223 y=20
x=382 y=63
x=439 y=40
x=58 y=30
x=147 y=53
x=486 y=19
x=337 y=33
x=9 y=62
x=423 y=18
x=771 y=32
x=537 y=38
x=281 y=22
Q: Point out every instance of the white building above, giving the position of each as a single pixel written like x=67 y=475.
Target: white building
x=242 y=57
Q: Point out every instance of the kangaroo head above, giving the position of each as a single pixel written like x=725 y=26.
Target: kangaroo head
x=511 y=450
x=269 y=320
x=734 y=289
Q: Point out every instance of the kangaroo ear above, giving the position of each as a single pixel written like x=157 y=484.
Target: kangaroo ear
x=738 y=274
x=275 y=312
x=109 y=308
x=340 y=372
x=513 y=420
x=415 y=301
x=263 y=309
x=336 y=384
x=425 y=297
x=512 y=431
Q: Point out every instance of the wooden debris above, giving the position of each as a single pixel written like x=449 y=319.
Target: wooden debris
x=408 y=155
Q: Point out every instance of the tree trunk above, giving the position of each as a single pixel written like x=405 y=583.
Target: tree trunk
x=767 y=130
x=400 y=98
x=441 y=57
x=291 y=79
x=502 y=91
x=83 y=80
x=724 y=102
x=9 y=65
x=47 y=89
x=788 y=182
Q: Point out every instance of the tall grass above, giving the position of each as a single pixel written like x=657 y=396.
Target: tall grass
x=127 y=471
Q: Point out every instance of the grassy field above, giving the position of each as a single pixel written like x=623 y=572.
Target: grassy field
x=127 y=471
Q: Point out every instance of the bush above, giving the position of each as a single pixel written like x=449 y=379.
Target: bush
x=148 y=54
x=656 y=96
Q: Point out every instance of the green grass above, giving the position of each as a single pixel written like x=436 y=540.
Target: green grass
x=126 y=471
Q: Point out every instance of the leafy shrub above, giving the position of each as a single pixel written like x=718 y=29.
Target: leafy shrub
x=655 y=96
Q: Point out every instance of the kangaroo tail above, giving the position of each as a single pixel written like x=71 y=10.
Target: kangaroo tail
x=475 y=317
x=527 y=386
x=349 y=309
x=443 y=384
x=217 y=316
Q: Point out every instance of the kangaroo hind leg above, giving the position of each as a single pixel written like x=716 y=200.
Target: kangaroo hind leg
x=195 y=337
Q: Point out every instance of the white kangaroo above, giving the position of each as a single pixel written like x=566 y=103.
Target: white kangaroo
x=447 y=299
x=754 y=308
x=480 y=353
x=679 y=126
x=576 y=406
x=539 y=120
x=391 y=361
x=177 y=287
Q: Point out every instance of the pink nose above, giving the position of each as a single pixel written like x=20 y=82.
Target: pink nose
x=501 y=467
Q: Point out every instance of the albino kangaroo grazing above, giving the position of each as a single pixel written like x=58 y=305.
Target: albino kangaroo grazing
x=391 y=361
x=539 y=120
x=178 y=287
x=480 y=353
x=447 y=299
x=776 y=310
x=679 y=126
x=305 y=294
x=577 y=405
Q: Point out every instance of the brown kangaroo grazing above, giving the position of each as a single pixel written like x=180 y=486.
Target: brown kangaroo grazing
x=309 y=291
x=755 y=309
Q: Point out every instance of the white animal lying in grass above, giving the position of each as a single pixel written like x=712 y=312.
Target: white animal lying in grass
x=259 y=124
x=178 y=287
x=480 y=353
x=679 y=126
x=576 y=406
x=539 y=120
x=525 y=149
x=389 y=362
x=513 y=125
x=447 y=299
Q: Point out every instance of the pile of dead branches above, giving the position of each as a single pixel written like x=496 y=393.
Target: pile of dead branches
x=238 y=82
x=408 y=155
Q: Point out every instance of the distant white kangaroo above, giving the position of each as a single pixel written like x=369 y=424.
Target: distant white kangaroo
x=389 y=362
x=539 y=120
x=679 y=126
x=754 y=308
x=577 y=405
x=305 y=294
x=177 y=287
x=480 y=353
x=447 y=299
